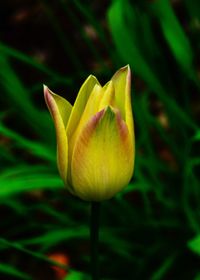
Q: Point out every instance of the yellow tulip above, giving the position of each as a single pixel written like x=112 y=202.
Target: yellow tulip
x=95 y=137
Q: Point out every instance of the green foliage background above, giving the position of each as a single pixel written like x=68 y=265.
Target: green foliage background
x=151 y=230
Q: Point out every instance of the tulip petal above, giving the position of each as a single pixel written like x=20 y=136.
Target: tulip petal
x=102 y=160
x=122 y=84
x=86 y=105
x=60 y=111
x=80 y=104
x=98 y=100
x=91 y=107
x=108 y=96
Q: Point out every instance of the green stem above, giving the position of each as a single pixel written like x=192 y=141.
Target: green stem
x=94 y=238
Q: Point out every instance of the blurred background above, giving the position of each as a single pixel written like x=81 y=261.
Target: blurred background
x=151 y=230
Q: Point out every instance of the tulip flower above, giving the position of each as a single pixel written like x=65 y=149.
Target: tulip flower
x=95 y=137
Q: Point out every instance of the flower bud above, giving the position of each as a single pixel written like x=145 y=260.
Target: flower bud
x=95 y=137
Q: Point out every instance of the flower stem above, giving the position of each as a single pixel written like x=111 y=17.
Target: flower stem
x=94 y=238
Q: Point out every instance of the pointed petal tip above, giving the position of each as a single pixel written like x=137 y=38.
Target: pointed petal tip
x=47 y=93
x=45 y=89
x=48 y=98
x=92 y=77
x=96 y=118
x=108 y=86
x=125 y=68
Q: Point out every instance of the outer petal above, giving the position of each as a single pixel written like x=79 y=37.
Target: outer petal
x=80 y=104
x=102 y=161
x=60 y=111
x=122 y=84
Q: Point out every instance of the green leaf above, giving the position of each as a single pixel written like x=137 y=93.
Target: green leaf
x=75 y=275
x=174 y=34
x=131 y=53
x=20 y=179
x=52 y=238
x=194 y=244
x=12 y=271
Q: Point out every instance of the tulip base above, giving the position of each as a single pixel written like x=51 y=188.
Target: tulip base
x=94 y=240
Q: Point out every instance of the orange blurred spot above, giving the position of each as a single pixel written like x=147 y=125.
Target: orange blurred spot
x=62 y=259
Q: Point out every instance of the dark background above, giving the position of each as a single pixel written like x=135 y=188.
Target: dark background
x=151 y=229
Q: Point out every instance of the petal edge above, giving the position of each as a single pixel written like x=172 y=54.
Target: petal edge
x=52 y=101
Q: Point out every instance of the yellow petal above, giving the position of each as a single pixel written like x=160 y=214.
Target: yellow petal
x=108 y=96
x=80 y=104
x=122 y=84
x=98 y=100
x=102 y=160
x=88 y=95
x=60 y=111
x=91 y=107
